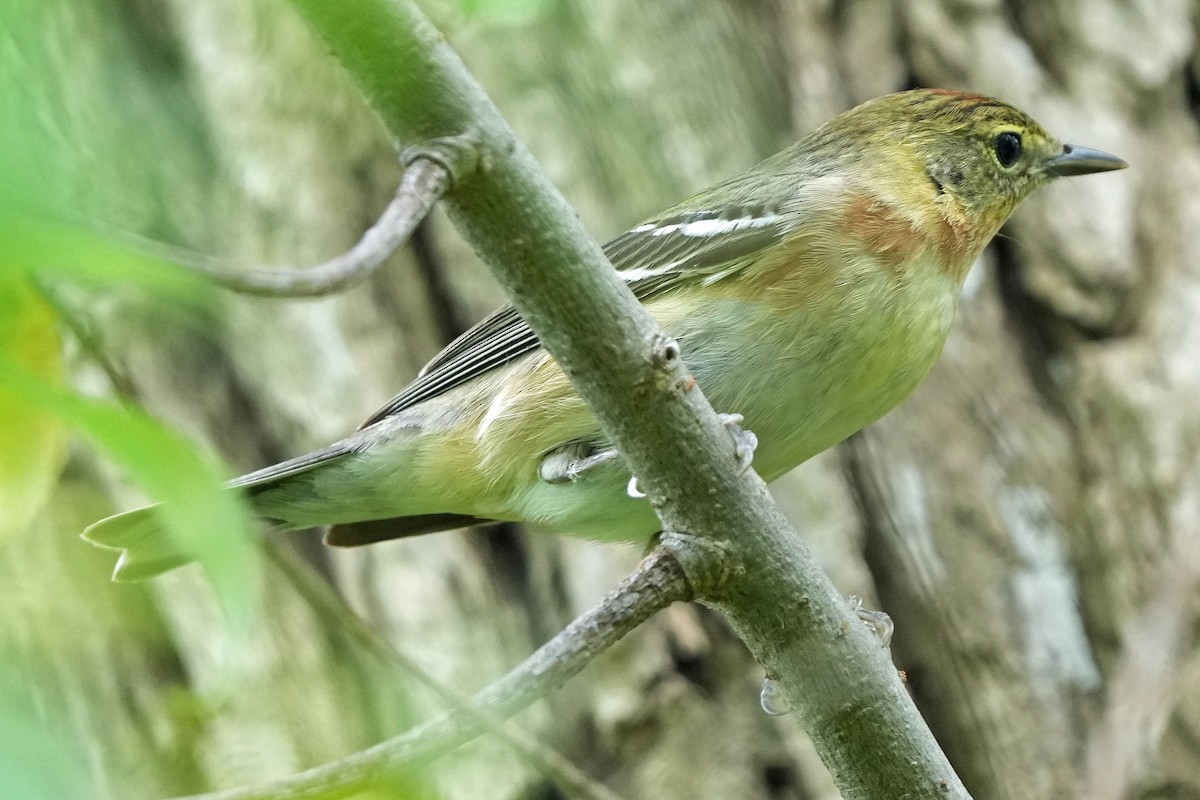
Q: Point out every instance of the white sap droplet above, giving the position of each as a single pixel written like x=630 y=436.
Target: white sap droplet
x=772 y=700
x=878 y=621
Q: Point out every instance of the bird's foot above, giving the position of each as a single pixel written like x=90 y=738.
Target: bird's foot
x=569 y=464
x=575 y=460
x=577 y=469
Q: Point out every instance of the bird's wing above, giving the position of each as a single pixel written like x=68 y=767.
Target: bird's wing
x=679 y=246
x=266 y=477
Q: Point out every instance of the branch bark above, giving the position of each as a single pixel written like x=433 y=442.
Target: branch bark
x=827 y=664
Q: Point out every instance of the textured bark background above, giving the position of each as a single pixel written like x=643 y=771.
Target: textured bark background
x=1030 y=518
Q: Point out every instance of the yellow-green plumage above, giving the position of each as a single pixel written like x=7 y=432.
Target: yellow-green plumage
x=810 y=294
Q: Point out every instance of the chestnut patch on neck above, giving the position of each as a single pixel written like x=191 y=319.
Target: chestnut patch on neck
x=886 y=235
x=896 y=241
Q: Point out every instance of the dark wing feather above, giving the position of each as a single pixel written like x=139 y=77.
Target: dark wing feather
x=696 y=241
x=493 y=324
x=267 y=477
x=498 y=339
x=653 y=257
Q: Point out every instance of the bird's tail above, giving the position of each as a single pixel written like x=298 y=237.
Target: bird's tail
x=148 y=549
x=145 y=546
x=279 y=493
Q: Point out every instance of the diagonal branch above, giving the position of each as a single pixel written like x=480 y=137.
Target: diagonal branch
x=332 y=608
x=830 y=668
x=658 y=582
x=429 y=173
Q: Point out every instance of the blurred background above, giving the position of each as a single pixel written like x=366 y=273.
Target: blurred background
x=1030 y=517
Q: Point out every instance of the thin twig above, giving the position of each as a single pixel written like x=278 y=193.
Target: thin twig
x=426 y=179
x=325 y=601
x=658 y=582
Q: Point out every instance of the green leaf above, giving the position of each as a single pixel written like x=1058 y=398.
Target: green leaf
x=45 y=249
x=205 y=520
x=66 y=156
x=32 y=442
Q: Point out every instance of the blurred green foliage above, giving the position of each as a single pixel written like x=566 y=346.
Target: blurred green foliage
x=515 y=10
x=47 y=144
x=37 y=762
x=100 y=696
x=32 y=441
x=66 y=169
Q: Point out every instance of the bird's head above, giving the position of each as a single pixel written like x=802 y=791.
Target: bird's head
x=969 y=158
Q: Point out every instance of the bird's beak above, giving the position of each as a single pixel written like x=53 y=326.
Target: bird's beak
x=1076 y=160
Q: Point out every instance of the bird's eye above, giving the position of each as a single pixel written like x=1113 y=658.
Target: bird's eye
x=1008 y=148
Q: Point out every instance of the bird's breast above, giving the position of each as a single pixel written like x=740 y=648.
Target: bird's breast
x=807 y=376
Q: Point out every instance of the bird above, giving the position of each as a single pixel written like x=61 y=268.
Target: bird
x=809 y=294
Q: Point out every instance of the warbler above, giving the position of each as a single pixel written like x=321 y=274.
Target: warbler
x=810 y=294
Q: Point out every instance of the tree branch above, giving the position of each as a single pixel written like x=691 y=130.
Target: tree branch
x=828 y=665
x=335 y=613
x=428 y=175
x=658 y=582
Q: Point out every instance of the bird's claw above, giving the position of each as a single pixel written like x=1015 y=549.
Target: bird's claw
x=583 y=465
x=569 y=464
x=744 y=441
x=878 y=621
